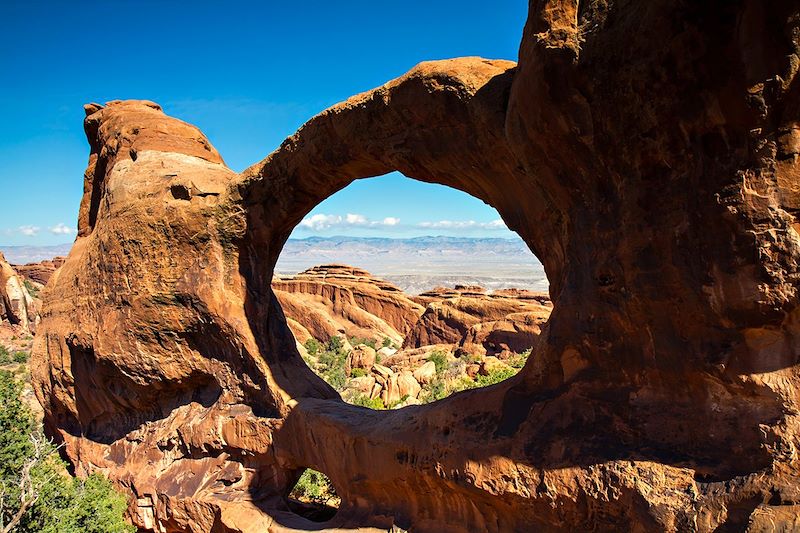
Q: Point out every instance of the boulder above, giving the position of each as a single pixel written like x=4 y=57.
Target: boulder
x=383 y=373
x=376 y=391
x=17 y=306
x=426 y=373
x=386 y=352
x=362 y=384
x=407 y=385
x=361 y=356
x=391 y=391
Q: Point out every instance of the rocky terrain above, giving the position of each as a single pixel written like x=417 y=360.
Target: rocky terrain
x=648 y=153
x=19 y=318
x=383 y=349
x=41 y=271
x=331 y=300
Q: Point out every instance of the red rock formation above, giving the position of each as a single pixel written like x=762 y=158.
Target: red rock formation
x=646 y=152
x=505 y=321
x=40 y=272
x=331 y=300
x=17 y=307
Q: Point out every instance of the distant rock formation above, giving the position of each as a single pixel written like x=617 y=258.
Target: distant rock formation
x=341 y=300
x=17 y=306
x=40 y=272
x=647 y=152
x=499 y=323
x=329 y=300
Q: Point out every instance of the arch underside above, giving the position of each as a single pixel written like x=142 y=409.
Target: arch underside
x=662 y=393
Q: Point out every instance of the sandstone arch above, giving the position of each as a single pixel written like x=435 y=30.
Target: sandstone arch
x=647 y=154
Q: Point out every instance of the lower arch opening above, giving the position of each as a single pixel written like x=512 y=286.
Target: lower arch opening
x=313 y=496
x=401 y=306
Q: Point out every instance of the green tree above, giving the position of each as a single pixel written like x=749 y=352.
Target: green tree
x=36 y=493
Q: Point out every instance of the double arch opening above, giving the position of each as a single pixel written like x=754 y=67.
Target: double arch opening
x=437 y=342
x=443 y=123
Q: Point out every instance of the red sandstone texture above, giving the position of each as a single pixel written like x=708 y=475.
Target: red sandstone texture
x=40 y=272
x=330 y=300
x=340 y=300
x=502 y=322
x=18 y=308
x=646 y=152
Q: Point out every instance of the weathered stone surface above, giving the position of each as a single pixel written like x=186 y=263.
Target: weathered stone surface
x=426 y=373
x=17 y=306
x=331 y=300
x=508 y=321
x=40 y=272
x=361 y=356
x=639 y=149
x=407 y=385
x=363 y=384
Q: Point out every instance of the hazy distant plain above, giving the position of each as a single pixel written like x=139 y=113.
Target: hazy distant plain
x=415 y=265
x=421 y=263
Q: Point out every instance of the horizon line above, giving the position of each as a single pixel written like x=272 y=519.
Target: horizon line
x=329 y=237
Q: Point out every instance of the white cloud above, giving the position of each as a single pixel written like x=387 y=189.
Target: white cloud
x=321 y=222
x=62 y=229
x=464 y=224
x=356 y=220
x=29 y=231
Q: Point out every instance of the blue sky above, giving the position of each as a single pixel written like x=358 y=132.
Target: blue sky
x=247 y=73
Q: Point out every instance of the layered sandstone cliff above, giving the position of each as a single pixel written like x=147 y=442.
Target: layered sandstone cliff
x=329 y=300
x=504 y=321
x=646 y=152
x=40 y=272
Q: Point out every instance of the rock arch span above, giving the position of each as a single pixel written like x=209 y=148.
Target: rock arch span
x=657 y=183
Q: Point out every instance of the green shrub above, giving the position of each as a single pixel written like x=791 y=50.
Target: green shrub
x=312 y=346
x=335 y=344
x=495 y=376
x=5 y=357
x=439 y=358
x=62 y=504
x=21 y=357
x=354 y=341
x=365 y=401
x=331 y=366
x=314 y=487
x=358 y=373
x=31 y=288
x=437 y=390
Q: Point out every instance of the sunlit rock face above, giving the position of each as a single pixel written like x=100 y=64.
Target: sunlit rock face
x=18 y=308
x=40 y=272
x=646 y=152
x=330 y=300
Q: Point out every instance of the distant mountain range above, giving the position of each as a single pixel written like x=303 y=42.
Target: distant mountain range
x=421 y=263
x=414 y=264
x=20 y=255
